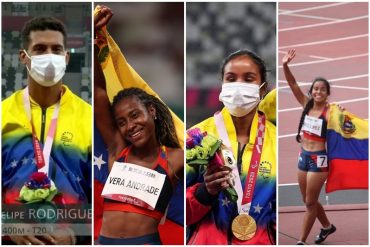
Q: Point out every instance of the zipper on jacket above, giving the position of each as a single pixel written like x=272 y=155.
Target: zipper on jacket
x=43 y=123
x=42 y=137
x=239 y=160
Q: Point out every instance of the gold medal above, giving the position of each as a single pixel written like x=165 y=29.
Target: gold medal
x=244 y=227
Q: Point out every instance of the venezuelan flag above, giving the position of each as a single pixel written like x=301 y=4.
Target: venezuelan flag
x=348 y=155
x=119 y=74
x=268 y=106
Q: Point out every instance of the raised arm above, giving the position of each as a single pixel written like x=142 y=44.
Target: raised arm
x=298 y=94
x=104 y=118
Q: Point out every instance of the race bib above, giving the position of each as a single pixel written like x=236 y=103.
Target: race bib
x=134 y=184
x=322 y=161
x=312 y=125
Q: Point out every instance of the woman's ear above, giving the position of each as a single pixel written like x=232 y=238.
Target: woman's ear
x=263 y=90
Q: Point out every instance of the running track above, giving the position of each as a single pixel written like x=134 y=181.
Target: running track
x=331 y=40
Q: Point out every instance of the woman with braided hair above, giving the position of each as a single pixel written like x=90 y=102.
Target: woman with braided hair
x=139 y=132
x=313 y=164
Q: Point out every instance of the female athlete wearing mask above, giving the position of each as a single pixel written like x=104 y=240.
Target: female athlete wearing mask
x=211 y=217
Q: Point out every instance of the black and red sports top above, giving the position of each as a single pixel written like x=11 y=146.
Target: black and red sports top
x=160 y=166
x=313 y=136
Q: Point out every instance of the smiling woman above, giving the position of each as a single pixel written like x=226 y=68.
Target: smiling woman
x=313 y=164
x=133 y=111
x=145 y=159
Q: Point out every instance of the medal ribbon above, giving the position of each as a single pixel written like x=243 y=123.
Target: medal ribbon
x=251 y=178
x=42 y=156
x=221 y=129
x=244 y=198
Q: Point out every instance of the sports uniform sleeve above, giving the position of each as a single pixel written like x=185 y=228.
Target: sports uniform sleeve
x=198 y=203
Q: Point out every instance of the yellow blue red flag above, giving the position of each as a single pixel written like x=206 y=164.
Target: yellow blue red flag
x=348 y=155
x=119 y=74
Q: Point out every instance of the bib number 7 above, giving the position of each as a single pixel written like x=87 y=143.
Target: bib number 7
x=322 y=161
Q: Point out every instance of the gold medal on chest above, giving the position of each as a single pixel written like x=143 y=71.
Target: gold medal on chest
x=244 y=227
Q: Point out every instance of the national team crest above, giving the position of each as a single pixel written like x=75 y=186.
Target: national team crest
x=265 y=169
x=346 y=124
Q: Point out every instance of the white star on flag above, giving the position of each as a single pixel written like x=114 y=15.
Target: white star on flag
x=14 y=163
x=257 y=209
x=98 y=161
x=225 y=202
x=24 y=160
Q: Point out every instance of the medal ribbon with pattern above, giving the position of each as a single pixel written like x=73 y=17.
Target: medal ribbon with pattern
x=244 y=226
x=42 y=156
x=250 y=182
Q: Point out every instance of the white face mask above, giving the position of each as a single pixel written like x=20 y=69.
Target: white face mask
x=47 y=69
x=240 y=98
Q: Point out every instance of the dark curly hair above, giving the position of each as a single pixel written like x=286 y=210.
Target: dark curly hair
x=309 y=104
x=42 y=23
x=164 y=127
